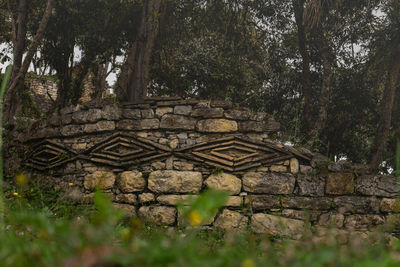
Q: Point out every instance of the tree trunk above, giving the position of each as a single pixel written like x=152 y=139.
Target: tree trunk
x=134 y=77
x=327 y=58
x=13 y=96
x=386 y=110
x=298 y=6
x=100 y=76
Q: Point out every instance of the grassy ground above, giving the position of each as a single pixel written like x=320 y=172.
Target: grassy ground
x=44 y=230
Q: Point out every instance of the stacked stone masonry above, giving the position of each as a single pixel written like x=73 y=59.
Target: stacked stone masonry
x=150 y=157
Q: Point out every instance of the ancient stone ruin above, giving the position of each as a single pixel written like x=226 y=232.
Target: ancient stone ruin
x=149 y=157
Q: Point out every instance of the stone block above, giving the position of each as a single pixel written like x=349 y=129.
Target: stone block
x=310 y=185
x=111 y=113
x=269 y=183
x=146 y=198
x=231 y=220
x=131 y=181
x=390 y=205
x=340 y=183
x=294 y=165
x=308 y=203
x=160 y=215
x=99 y=127
x=183 y=166
x=147 y=113
x=237 y=114
x=224 y=182
x=182 y=110
x=174 y=122
x=175 y=181
x=331 y=219
x=263 y=202
x=126 y=198
x=175 y=199
x=277 y=226
x=217 y=126
x=234 y=201
x=378 y=185
x=278 y=168
x=131 y=114
x=161 y=111
x=208 y=112
x=356 y=204
x=363 y=222
x=101 y=179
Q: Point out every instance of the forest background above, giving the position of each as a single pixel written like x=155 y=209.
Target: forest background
x=327 y=70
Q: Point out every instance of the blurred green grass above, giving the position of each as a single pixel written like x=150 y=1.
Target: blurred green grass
x=42 y=229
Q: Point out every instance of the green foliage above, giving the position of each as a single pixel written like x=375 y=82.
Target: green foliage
x=35 y=236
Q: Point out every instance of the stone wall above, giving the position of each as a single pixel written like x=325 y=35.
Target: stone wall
x=149 y=157
x=44 y=92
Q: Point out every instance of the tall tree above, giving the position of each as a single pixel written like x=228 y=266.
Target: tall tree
x=20 y=11
x=393 y=71
x=134 y=77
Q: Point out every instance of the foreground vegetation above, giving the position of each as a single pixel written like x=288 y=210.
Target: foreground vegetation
x=42 y=229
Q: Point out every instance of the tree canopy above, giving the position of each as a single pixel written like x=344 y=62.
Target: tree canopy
x=328 y=70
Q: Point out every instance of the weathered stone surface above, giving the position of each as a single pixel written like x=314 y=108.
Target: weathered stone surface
x=231 y=220
x=69 y=130
x=340 y=183
x=237 y=114
x=357 y=204
x=217 y=126
x=148 y=124
x=331 y=219
x=146 y=198
x=131 y=181
x=255 y=126
x=99 y=127
x=175 y=199
x=269 y=183
x=171 y=121
x=320 y=203
x=234 y=201
x=158 y=165
x=183 y=166
x=173 y=143
x=224 y=182
x=305 y=215
x=102 y=180
x=208 y=112
x=275 y=225
x=158 y=214
x=129 y=209
x=378 y=185
x=147 y=113
x=182 y=110
x=390 y=205
x=131 y=114
x=84 y=116
x=126 y=198
x=111 y=113
x=263 y=202
x=175 y=181
x=306 y=169
x=294 y=165
x=363 y=222
x=161 y=111
x=278 y=168
x=310 y=185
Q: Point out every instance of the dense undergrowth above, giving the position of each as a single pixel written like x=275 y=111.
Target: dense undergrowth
x=42 y=229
